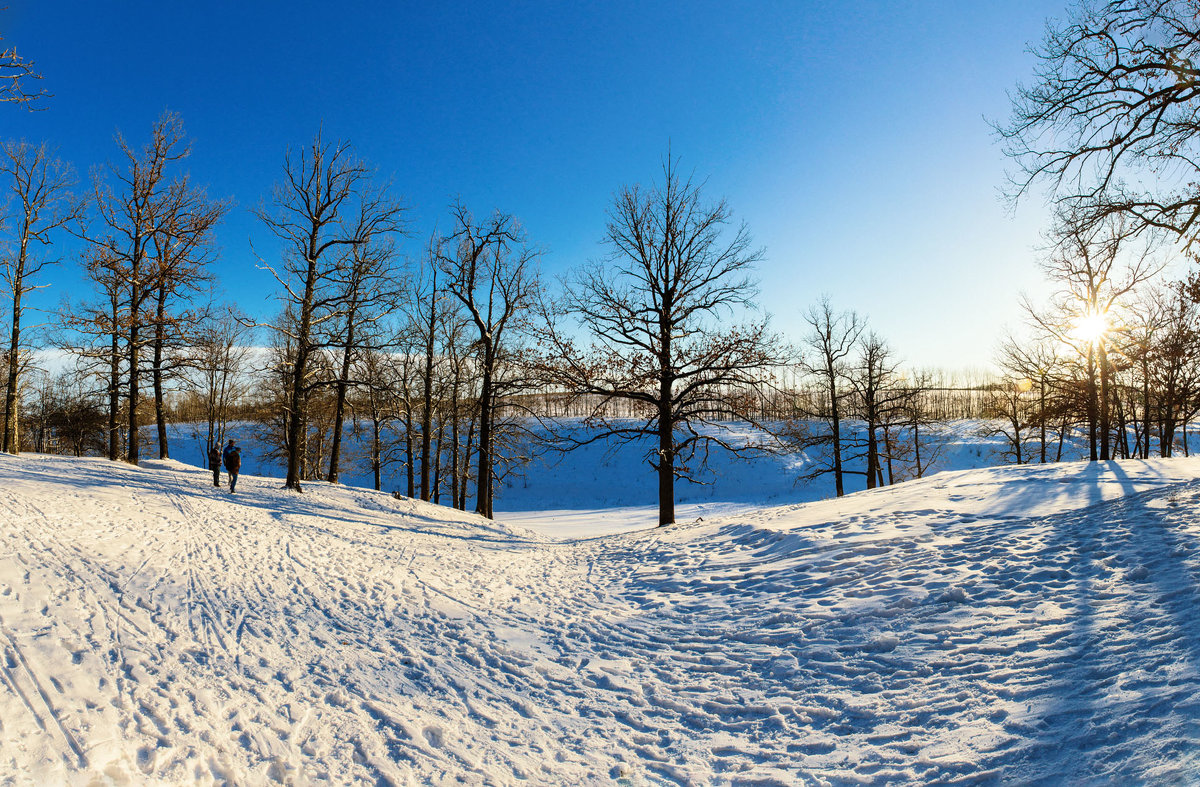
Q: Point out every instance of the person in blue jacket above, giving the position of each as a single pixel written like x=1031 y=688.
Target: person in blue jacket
x=232 y=457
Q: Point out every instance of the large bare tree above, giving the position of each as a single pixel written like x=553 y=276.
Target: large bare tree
x=324 y=204
x=132 y=212
x=40 y=187
x=1110 y=120
x=490 y=269
x=657 y=310
x=182 y=250
x=370 y=292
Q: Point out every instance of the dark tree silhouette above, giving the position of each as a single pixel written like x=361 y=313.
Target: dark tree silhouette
x=1109 y=121
x=489 y=268
x=655 y=310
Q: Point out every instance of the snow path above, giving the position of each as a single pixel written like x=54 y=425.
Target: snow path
x=1025 y=624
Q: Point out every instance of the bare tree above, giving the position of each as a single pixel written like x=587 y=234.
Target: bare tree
x=218 y=372
x=15 y=75
x=427 y=320
x=182 y=249
x=1175 y=365
x=1094 y=271
x=131 y=215
x=97 y=334
x=369 y=293
x=1008 y=408
x=873 y=379
x=380 y=399
x=65 y=415
x=489 y=268
x=1109 y=122
x=1037 y=362
x=928 y=432
x=459 y=407
x=654 y=310
x=827 y=350
x=40 y=185
x=323 y=205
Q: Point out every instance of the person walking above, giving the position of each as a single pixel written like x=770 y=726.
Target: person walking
x=233 y=462
x=214 y=463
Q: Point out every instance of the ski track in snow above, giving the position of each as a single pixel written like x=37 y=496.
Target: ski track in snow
x=965 y=628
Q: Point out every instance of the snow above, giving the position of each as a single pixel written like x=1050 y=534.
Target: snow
x=1021 y=624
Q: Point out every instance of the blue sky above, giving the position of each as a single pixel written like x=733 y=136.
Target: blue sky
x=850 y=136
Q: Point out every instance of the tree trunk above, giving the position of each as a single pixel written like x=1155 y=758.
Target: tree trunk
x=1105 y=418
x=454 y=447
x=835 y=423
x=408 y=443
x=160 y=418
x=1016 y=425
x=427 y=399
x=1042 y=416
x=114 y=388
x=889 y=451
x=917 y=449
x=1145 y=412
x=11 y=434
x=483 y=481
x=437 y=461
x=666 y=467
x=376 y=454
x=339 y=407
x=1092 y=404
x=872 y=452
x=132 y=439
x=466 y=465
x=296 y=421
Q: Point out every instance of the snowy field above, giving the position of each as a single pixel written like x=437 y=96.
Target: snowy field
x=1031 y=624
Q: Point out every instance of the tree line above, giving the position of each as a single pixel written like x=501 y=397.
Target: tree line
x=451 y=360
x=431 y=356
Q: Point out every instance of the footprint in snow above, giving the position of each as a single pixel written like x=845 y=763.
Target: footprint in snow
x=955 y=595
x=1139 y=574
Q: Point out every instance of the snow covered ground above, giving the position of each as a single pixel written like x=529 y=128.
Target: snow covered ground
x=1024 y=624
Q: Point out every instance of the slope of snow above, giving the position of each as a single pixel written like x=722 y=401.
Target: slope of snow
x=1020 y=624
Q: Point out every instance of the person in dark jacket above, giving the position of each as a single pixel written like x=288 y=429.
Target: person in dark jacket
x=214 y=463
x=233 y=462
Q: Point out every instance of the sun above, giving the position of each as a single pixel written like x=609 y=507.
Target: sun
x=1091 y=327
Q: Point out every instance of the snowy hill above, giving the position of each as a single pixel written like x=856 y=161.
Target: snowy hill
x=1016 y=624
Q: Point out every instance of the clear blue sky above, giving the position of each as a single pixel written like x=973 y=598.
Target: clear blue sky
x=851 y=136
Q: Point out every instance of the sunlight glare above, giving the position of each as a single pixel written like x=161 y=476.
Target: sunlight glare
x=1091 y=327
